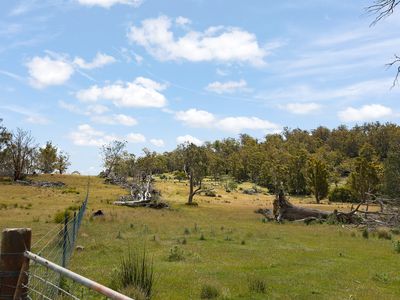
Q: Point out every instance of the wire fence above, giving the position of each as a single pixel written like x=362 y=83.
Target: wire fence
x=57 y=246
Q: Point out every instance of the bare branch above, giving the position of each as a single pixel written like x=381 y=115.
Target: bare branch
x=382 y=8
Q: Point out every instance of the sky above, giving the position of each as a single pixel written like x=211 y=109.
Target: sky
x=81 y=73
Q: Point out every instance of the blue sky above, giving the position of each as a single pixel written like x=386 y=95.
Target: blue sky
x=157 y=73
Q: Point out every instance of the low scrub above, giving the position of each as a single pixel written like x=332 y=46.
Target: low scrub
x=342 y=194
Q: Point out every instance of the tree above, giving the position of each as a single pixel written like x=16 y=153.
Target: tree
x=317 y=176
x=62 y=162
x=21 y=149
x=364 y=178
x=5 y=137
x=383 y=9
x=391 y=180
x=111 y=154
x=47 y=158
x=194 y=163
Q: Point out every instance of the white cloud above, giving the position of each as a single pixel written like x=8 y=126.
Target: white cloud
x=86 y=135
x=240 y=124
x=97 y=109
x=371 y=112
x=188 y=139
x=195 y=118
x=157 y=142
x=306 y=93
x=221 y=44
x=109 y=3
x=37 y=119
x=119 y=119
x=136 y=138
x=301 y=108
x=99 y=61
x=227 y=87
x=45 y=71
x=142 y=92
x=182 y=21
x=204 y=119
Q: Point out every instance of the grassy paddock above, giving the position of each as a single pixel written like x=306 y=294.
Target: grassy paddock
x=239 y=255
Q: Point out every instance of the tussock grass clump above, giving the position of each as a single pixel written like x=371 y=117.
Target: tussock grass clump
x=135 y=274
x=209 y=292
x=383 y=233
x=59 y=217
x=186 y=231
x=176 y=254
x=397 y=246
x=257 y=285
x=365 y=233
x=202 y=237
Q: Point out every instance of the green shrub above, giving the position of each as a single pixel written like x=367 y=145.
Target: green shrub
x=209 y=292
x=342 y=194
x=257 y=285
x=135 y=273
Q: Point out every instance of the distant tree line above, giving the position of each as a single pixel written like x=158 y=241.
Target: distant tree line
x=348 y=164
x=21 y=156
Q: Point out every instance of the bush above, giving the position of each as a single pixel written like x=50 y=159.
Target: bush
x=257 y=285
x=342 y=194
x=209 y=292
x=135 y=273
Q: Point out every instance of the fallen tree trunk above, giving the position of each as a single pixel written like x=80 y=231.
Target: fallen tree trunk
x=284 y=210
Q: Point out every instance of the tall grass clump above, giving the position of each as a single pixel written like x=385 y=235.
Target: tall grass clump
x=257 y=285
x=209 y=292
x=135 y=273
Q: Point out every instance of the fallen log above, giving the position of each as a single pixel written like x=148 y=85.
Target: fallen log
x=284 y=210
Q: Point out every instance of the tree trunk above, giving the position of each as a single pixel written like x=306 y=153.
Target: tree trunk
x=284 y=210
x=191 y=194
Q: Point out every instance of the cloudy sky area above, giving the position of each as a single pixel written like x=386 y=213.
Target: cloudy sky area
x=158 y=73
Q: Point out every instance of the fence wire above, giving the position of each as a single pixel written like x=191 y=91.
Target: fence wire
x=57 y=246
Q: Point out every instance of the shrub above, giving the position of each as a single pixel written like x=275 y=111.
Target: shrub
x=209 y=292
x=175 y=254
x=257 y=285
x=342 y=194
x=397 y=246
x=135 y=273
x=186 y=231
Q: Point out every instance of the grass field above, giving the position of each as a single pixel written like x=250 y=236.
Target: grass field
x=295 y=261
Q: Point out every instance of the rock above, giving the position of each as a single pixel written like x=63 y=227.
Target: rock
x=79 y=248
x=249 y=191
x=98 y=213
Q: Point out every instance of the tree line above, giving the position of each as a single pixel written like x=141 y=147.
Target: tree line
x=21 y=156
x=348 y=164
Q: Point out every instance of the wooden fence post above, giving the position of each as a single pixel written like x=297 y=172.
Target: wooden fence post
x=14 y=242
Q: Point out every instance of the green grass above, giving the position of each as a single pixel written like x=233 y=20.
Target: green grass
x=295 y=261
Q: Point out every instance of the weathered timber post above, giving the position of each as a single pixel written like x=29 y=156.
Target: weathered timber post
x=14 y=242
x=65 y=237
